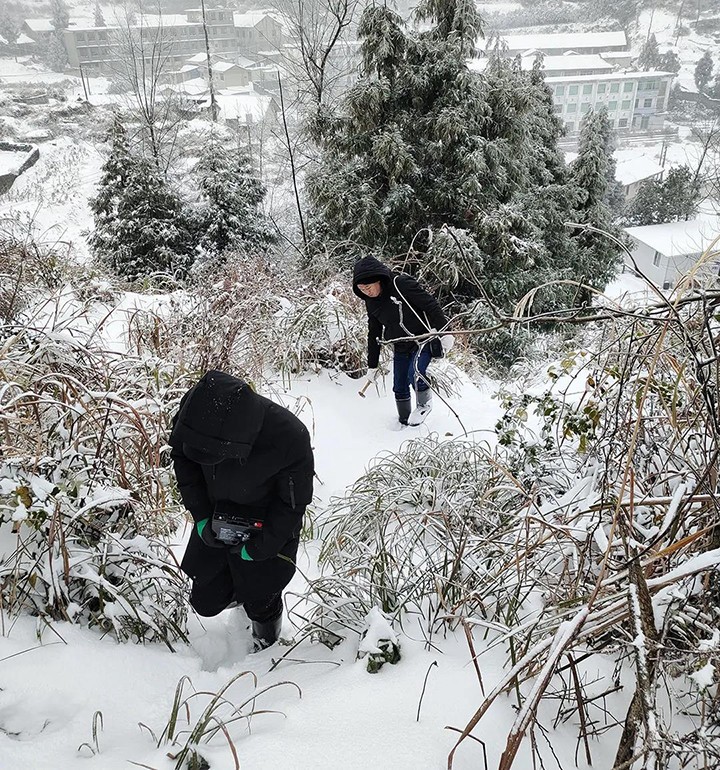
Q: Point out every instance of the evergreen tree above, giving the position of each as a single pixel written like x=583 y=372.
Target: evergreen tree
x=229 y=213
x=649 y=58
x=594 y=173
x=140 y=225
x=56 y=55
x=9 y=25
x=426 y=155
x=713 y=90
x=703 y=71
x=60 y=15
x=98 y=16
x=669 y=62
x=672 y=200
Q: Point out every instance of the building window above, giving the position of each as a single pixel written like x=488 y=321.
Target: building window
x=612 y=106
x=587 y=88
x=601 y=88
x=614 y=88
x=585 y=107
x=628 y=87
x=657 y=258
x=572 y=90
x=647 y=103
x=622 y=123
x=559 y=90
x=570 y=127
x=571 y=108
x=626 y=105
x=645 y=121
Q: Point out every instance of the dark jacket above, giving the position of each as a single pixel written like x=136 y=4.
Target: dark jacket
x=395 y=312
x=264 y=470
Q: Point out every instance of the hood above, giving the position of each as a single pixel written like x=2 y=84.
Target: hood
x=368 y=270
x=219 y=419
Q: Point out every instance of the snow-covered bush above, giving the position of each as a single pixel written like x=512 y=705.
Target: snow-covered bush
x=86 y=499
x=249 y=317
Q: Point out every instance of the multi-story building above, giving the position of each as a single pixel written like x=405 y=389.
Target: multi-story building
x=179 y=36
x=633 y=100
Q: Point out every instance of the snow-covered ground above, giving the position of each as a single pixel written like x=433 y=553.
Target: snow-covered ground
x=53 y=679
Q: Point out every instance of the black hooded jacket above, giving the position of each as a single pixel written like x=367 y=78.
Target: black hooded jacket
x=263 y=468
x=395 y=312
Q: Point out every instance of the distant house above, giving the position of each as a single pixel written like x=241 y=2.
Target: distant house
x=247 y=106
x=38 y=30
x=633 y=172
x=664 y=253
x=257 y=31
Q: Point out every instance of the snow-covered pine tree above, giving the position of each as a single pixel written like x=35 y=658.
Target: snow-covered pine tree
x=99 y=18
x=56 y=55
x=424 y=146
x=140 y=226
x=669 y=62
x=649 y=58
x=228 y=214
x=60 y=15
x=598 y=257
x=704 y=71
x=9 y=25
x=670 y=201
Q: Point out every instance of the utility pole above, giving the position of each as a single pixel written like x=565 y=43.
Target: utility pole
x=213 y=102
x=86 y=88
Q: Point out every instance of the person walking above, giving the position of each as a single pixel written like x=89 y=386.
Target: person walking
x=398 y=306
x=244 y=469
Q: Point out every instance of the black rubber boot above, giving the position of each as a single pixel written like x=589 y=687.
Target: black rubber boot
x=266 y=633
x=403 y=410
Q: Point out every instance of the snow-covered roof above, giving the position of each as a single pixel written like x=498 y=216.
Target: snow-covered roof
x=574 y=62
x=569 y=40
x=198 y=58
x=238 y=104
x=636 y=169
x=23 y=39
x=676 y=239
x=40 y=25
x=223 y=66
x=166 y=20
x=649 y=75
x=250 y=19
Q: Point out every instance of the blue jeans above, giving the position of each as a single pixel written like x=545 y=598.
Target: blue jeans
x=409 y=371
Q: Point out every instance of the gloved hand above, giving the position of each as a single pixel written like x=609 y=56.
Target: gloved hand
x=204 y=529
x=447 y=341
x=371 y=375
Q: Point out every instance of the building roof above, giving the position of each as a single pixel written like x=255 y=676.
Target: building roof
x=40 y=25
x=636 y=169
x=676 y=239
x=590 y=61
x=241 y=103
x=250 y=19
x=649 y=75
x=224 y=66
x=569 y=40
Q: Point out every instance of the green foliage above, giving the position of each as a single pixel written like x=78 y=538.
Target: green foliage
x=140 y=226
x=56 y=55
x=669 y=62
x=228 y=214
x=9 y=24
x=598 y=257
x=704 y=71
x=649 y=58
x=671 y=200
x=60 y=15
x=99 y=18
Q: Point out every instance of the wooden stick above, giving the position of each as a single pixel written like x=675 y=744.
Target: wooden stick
x=364 y=388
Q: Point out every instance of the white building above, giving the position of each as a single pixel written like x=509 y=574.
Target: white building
x=632 y=172
x=634 y=100
x=664 y=253
x=557 y=44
